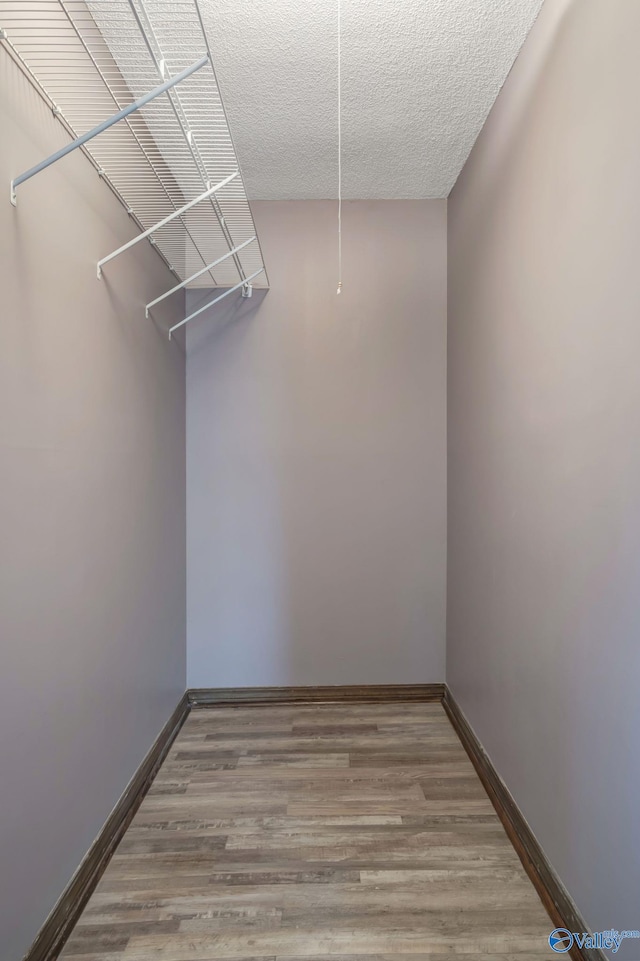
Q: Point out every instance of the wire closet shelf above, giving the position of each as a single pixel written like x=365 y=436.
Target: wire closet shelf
x=170 y=158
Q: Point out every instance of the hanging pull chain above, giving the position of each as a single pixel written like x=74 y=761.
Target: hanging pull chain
x=339 y=149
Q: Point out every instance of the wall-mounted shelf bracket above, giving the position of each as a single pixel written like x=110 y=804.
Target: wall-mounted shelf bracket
x=200 y=310
x=247 y=290
x=165 y=220
x=198 y=273
x=120 y=115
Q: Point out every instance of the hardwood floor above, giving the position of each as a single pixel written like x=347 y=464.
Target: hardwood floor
x=335 y=831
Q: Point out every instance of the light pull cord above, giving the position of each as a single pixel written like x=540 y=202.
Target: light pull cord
x=339 y=150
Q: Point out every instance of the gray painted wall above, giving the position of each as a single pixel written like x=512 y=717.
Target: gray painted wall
x=316 y=456
x=544 y=461
x=92 y=513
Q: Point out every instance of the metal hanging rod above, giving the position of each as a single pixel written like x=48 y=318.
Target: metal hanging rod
x=165 y=220
x=136 y=105
x=198 y=273
x=200 y=310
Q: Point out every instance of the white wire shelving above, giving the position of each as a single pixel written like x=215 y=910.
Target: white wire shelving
x=170 y=157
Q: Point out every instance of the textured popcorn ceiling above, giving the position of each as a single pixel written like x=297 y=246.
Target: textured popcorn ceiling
x=419 y=78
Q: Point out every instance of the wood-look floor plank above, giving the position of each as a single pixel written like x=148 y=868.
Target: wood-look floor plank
x=314 y=832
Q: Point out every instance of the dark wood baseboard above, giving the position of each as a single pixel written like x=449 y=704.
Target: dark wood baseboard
x=70 y=905
x=371 y=693
x=552 y=892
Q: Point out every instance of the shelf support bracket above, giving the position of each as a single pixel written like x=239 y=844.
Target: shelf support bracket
x=80 y=141
x=165 y=220
x=197 y=274
x=200 y=310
